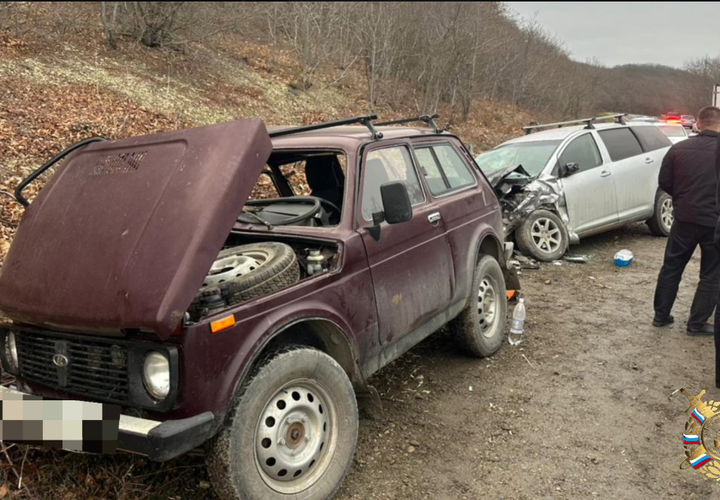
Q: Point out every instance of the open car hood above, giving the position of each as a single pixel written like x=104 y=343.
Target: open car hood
x=124 y=233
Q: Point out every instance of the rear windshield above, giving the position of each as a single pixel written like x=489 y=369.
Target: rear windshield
x=672 y=131
x=533 y=156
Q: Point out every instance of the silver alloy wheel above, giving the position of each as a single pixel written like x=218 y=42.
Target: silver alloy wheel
x=546 y=235
x=296 y=437
x=666 y=214
x=487 y=307
x=234 y=266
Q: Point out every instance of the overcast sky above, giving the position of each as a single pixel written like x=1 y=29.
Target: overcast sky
x=615 y=33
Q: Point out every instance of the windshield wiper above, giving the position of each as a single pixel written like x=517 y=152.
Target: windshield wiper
x=258 y=218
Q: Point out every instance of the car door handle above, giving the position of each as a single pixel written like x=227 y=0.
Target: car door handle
x=605 y=173
x=433 y=218
x=649 y=160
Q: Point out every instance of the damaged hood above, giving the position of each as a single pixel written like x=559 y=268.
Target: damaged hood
x=124 y=233
x=517 y=171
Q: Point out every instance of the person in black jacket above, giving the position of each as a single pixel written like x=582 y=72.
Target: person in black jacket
x=688 y=175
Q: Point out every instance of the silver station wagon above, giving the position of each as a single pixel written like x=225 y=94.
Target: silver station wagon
x=563 y=181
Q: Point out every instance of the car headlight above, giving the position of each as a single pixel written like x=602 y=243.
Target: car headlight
x=157 y=375
x=11 y=355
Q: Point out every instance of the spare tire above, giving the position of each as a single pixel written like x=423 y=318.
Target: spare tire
x=245 y=272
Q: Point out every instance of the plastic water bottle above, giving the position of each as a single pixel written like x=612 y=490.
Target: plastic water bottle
x=518 y=322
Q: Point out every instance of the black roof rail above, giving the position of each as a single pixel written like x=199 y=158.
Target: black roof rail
x=587 y=121
x=366 y=120
x=426 y=119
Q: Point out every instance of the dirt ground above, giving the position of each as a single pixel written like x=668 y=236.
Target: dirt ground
x=580 y=410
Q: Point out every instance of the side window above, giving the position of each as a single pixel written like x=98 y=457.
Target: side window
x=621 y=143
x=651 y=138
x=431 y=171
x=264 y=188
x=443 y=168
x=582 y=151
x=388 y=165
x=295 y=175
x=454 y=167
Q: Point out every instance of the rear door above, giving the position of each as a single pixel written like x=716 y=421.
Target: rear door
x=466 y=212
x=589 y=193
x=411 y=265
x=635 y=169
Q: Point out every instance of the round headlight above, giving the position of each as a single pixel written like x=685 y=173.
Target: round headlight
x=157 y=375
x=11 y=355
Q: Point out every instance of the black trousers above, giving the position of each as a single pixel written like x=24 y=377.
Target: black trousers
x=684 y=239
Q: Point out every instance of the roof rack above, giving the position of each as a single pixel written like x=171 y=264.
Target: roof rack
x=364 y=120
x=426 y=119
x=587 y=121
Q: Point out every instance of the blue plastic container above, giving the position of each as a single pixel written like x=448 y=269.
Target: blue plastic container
x=623 y=258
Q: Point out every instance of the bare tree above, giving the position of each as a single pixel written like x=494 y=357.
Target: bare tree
x=109 y=22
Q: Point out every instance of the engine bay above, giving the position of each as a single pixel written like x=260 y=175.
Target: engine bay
x=250 y=267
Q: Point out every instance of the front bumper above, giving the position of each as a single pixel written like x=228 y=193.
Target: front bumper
x=159 y=441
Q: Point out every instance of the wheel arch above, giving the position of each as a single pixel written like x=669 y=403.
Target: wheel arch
x=490 y=245
x=313 y=331
x=322 y=334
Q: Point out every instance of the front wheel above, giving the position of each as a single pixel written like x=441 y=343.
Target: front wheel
x=292 y=433
x=543 y=236
x=662 y=219
x=481 y=326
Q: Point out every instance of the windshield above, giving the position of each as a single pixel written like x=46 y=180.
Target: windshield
x=533 y=156
x=671 y=131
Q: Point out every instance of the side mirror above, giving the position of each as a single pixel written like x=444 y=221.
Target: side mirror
x=396 y=207
x=569 y=169
x=396 y=202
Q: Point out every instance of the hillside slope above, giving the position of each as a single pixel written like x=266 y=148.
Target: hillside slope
x=55 y=94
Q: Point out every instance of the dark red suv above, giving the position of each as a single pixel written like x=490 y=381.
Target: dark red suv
x=142 y=276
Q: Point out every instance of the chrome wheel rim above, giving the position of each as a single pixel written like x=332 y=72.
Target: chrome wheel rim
x=666 y=214
x=234 y=266
x=295 y=438
x=487 y=307
x=546 y=235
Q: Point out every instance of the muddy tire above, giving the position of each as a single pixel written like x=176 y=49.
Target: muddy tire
x=243 y=273
x=480 y=328
x=543 y=236
x=662 y=219
x=292 y=432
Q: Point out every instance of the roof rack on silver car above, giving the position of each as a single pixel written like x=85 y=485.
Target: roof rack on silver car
x=587 y=121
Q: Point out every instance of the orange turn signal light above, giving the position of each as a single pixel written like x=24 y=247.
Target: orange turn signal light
x=223 y=323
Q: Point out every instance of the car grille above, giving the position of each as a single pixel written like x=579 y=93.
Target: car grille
x=97 y=370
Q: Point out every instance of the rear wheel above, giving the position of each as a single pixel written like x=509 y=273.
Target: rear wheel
x=481 y=326
x=543 y=236
x=292 y=433
x=662 y=220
